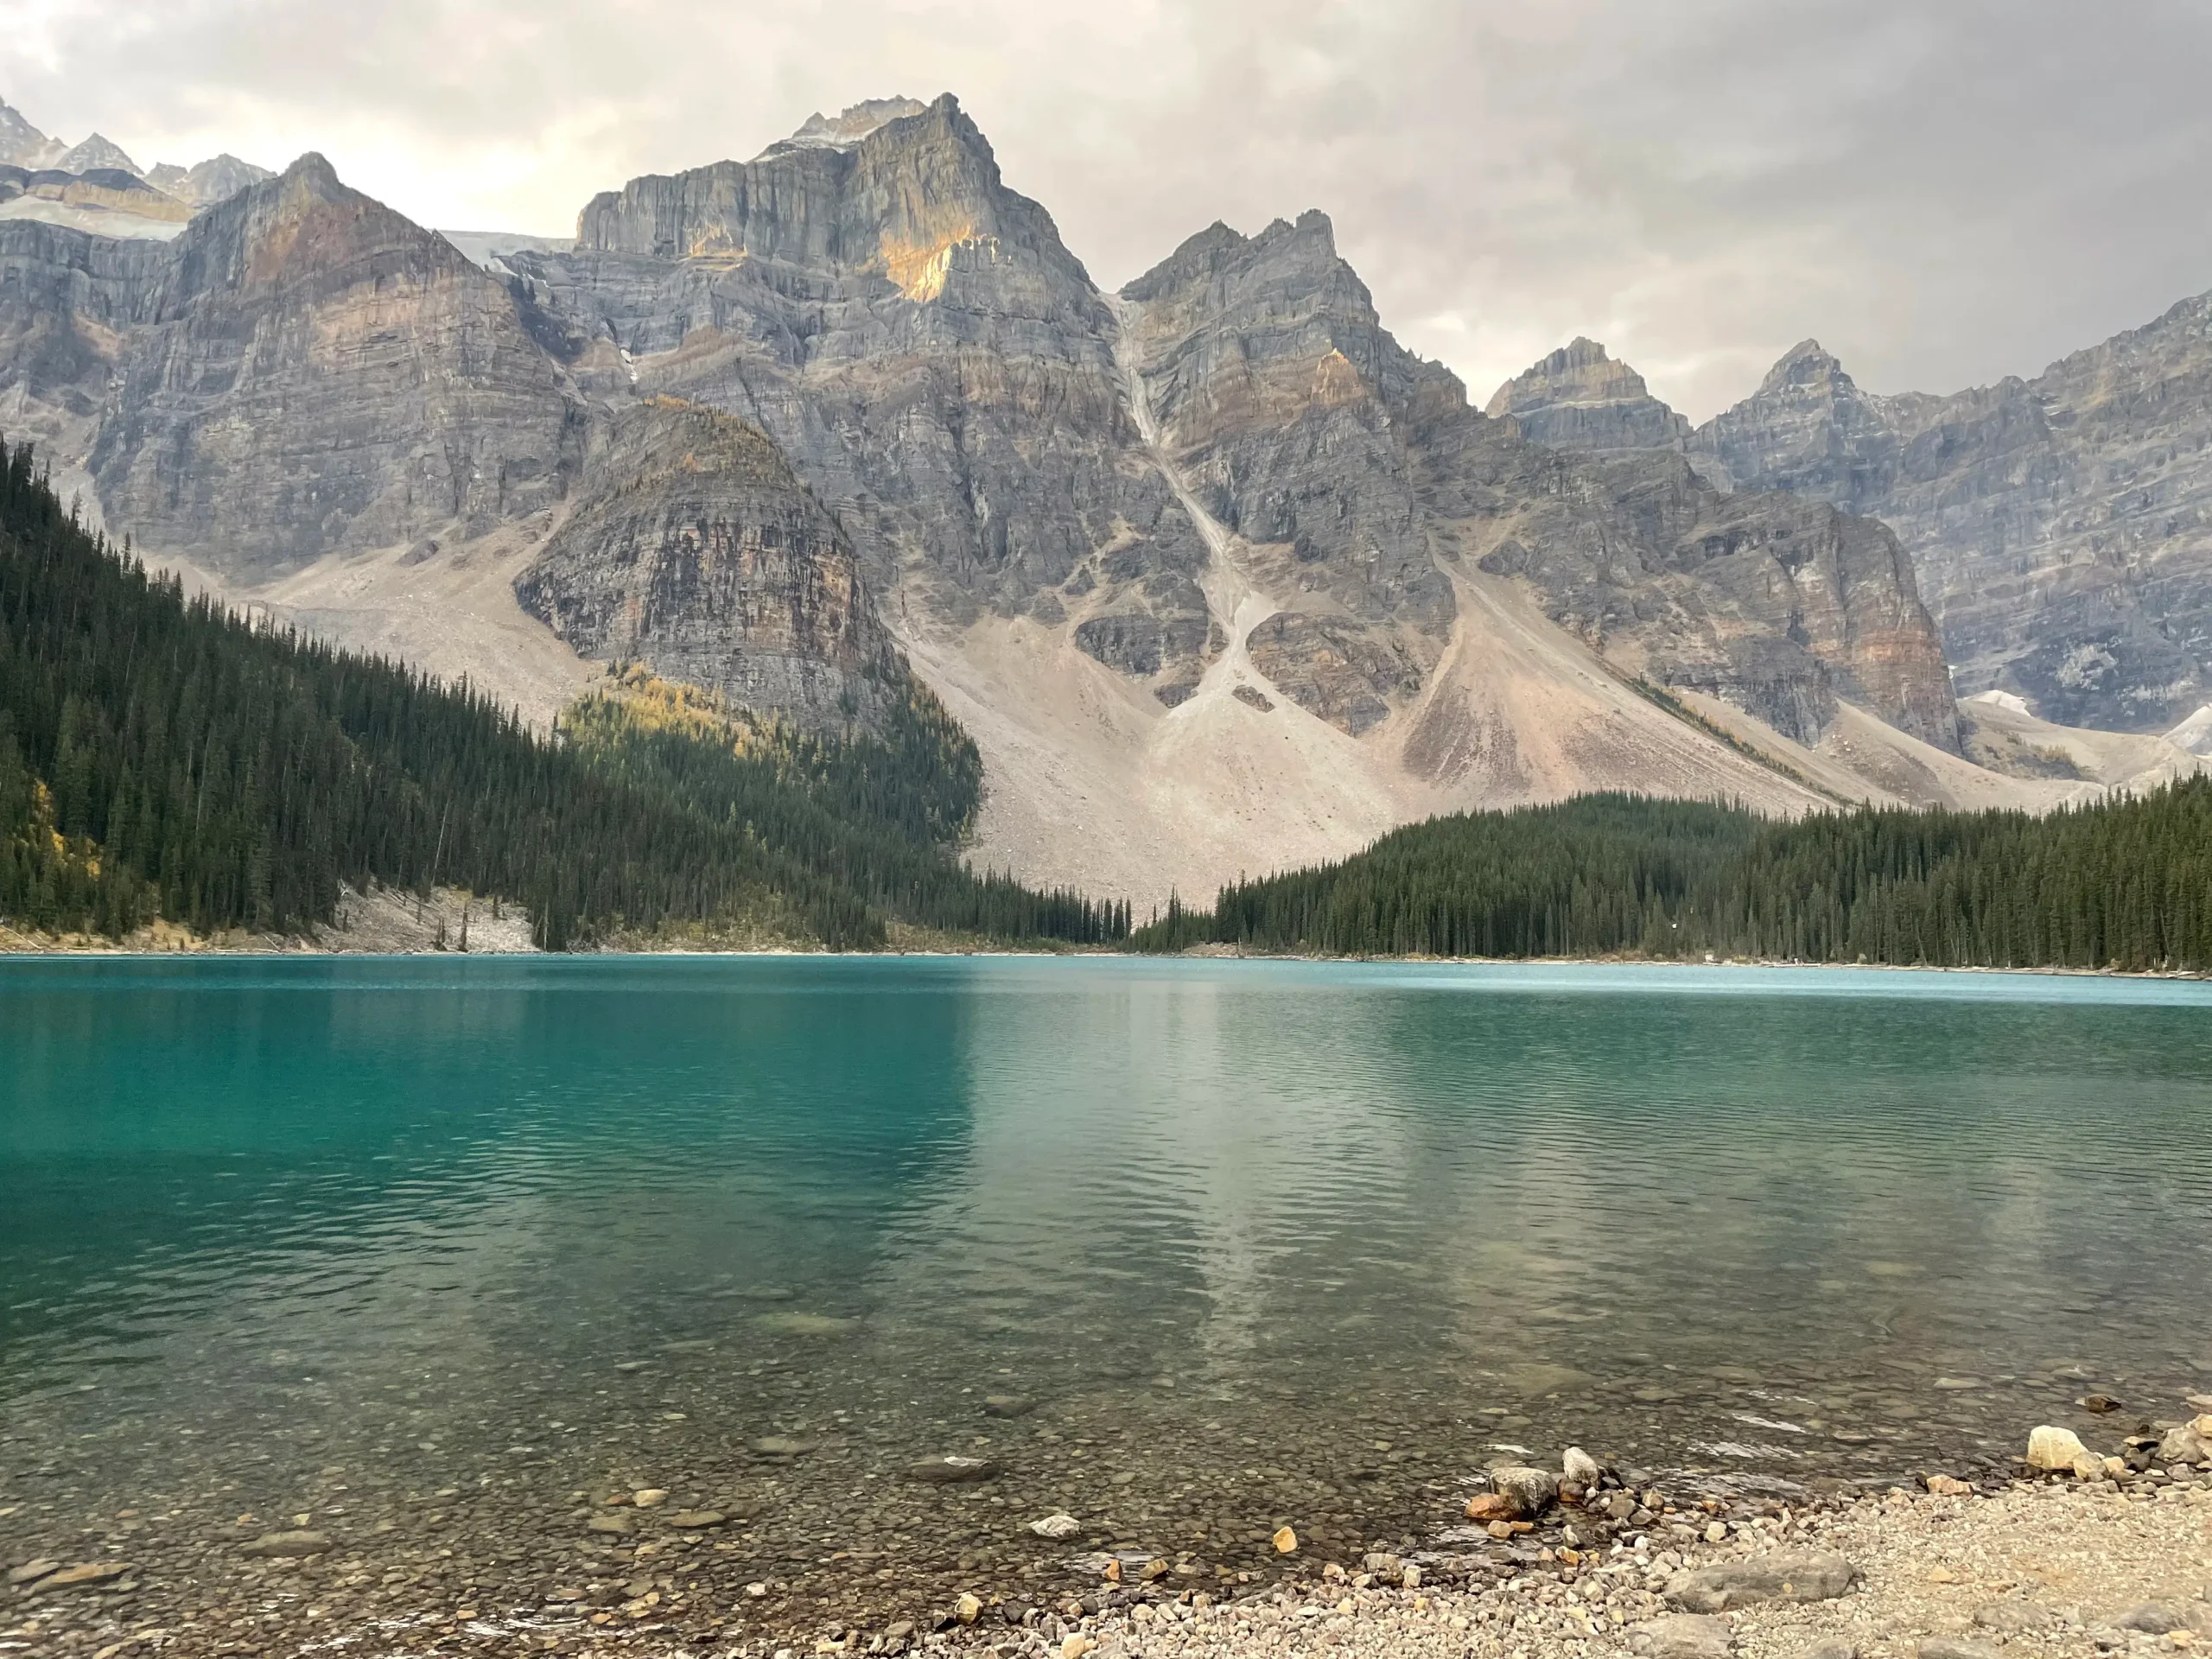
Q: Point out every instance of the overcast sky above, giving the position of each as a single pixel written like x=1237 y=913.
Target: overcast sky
x=1941 y=191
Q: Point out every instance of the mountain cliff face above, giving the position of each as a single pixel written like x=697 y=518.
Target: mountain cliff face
x=2062 y=525
x=1580 y=398
x=936 y=364
x=695 y=550
x=67 y=299
x=313 y=372
x=1347 y=466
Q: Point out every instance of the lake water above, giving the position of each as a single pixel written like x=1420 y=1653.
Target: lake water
x=441 y=1253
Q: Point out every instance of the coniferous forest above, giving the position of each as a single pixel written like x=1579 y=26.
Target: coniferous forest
x=161 y=759
x=2125 y=883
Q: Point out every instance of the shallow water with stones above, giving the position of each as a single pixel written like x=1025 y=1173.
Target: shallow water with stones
x=440 y=1253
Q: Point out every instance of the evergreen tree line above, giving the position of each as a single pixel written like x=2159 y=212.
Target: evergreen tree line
x=161 y=758
x=876 y=816
x=2124 y=883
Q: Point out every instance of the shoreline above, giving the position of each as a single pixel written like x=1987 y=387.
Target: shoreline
x=15 y=944
x=2035 y=1563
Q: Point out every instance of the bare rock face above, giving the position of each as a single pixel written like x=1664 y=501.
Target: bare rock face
x=1349 y=467
x=1775 y=604
x=934 y=362
x=314 y=372
x=1274 y=385
x=1580 y=398
x=2062 y=525
x=205 y=183
x=695 y=550
x=66 y=301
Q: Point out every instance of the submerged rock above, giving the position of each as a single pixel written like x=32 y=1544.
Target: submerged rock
x=288 y=1545
x=952 y=1471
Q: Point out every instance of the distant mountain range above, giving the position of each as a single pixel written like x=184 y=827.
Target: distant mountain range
x=1220 y=577
x=94 y=185
x=2062 y=526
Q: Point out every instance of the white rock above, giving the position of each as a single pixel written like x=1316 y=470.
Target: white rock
x=2060 y=1450
x=1580 y=1467
x=1062 y=1525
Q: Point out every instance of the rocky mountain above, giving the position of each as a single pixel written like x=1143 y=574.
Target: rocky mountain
x=205 y=183
x=1219 y=574
x=2063 y=526
x=1347 y=465
x=936 y=364
x=2060 y=527
x=693 y=548
x=22 y=144
x=313 y=372
x=1580 y=398
x=97 y=154
x=70 y=299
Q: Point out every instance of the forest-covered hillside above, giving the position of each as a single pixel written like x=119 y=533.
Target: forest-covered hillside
x=161 y=759
x=2124 y=883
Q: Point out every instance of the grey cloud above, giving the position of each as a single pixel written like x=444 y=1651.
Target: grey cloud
x=1942 y=193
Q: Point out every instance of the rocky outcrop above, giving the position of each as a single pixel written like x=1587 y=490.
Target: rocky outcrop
x=105 y=200
x=313 y=372
x=694 y=549
x=2062 y=525
x=1770 y=602
x=1580 y=398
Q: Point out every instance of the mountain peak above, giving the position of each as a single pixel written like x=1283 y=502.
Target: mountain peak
x=1807 y=364
x=205 y=183
x=1579 y=397
x=22 y=144
x=855 y=122
x=910 y=191
x=98 y=151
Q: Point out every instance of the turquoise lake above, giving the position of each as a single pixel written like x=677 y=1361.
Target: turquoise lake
x=370 y=1240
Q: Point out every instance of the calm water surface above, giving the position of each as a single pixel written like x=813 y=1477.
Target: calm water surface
x=1265 y=1242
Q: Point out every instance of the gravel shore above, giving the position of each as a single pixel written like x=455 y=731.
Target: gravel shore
x=2037 y=1570
x=2052 y=1568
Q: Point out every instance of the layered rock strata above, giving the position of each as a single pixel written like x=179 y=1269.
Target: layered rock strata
x=2063 y=526
x=67 y=302
x=933 y=359
x=1580 y=398
x=311 y=374
x=695 y=550
x=2060 y=527
x=1357 y=475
